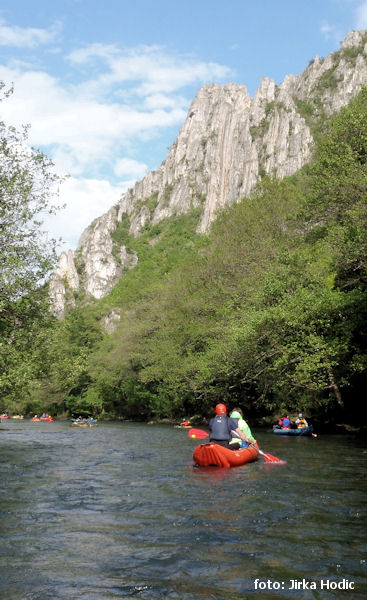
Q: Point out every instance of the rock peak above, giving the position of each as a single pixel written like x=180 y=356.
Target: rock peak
x=226 y=144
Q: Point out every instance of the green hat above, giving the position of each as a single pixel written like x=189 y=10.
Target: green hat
x=235 y=415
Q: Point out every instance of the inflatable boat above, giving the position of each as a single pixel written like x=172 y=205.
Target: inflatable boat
x=300 y=431
x=214 y=455
x=84 y=422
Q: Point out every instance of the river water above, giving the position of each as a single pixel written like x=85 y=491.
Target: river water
x=119 y=511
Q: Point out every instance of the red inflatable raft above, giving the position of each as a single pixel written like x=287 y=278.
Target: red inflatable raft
x=207 y=455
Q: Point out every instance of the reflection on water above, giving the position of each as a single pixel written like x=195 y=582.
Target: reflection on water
x=119 y=511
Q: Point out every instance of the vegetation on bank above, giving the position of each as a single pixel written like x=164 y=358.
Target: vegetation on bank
x=267 y=312
x=28 y=185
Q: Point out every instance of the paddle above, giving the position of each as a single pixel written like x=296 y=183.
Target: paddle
x=197 y=433
x=269 y=458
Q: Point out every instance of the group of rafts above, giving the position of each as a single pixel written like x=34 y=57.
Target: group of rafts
x=45 y=417
x=90 y=422
x=214 y=454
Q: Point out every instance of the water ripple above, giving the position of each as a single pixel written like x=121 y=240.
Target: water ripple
x=119 y=511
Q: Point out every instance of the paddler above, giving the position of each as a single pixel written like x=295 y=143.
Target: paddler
x=237 y=414
x=286 y=422
x=301 y=422
x=222 y=428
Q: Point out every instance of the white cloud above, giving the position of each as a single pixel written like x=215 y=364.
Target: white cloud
x=360 y=12
x=150 y=69
x=128 y=166
x=164 y=101
x=85 y=200
x=327 y=30
x=331 y=32
x=81 y=134
x=26 y=37
x=361 y=16
x=84 y=126
x=92 y=129
x=92 y=51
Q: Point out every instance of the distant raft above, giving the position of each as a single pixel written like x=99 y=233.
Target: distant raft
x=300 y=431
x=214 y=455
x=184 y=425
x=84 y=422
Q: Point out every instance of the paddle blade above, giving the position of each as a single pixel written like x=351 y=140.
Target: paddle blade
x=198 y=433
x=269 y=458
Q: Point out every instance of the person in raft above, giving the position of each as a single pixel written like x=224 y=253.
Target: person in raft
x=301 y=422
x=285 y=422
x=221 y=428
x=237 y=414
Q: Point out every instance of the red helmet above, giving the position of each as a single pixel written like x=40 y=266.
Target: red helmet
x=221 y=409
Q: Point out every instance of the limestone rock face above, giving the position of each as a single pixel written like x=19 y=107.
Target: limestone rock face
x=94 y=268
x=227 y=143
x=64 y=279
x=110 y=321
x=100 y=268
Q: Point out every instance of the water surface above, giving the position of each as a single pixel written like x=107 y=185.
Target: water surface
x=119 y=511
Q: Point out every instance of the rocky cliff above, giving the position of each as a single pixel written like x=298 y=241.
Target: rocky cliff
x=227 y=143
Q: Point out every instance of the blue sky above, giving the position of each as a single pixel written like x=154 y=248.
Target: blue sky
x=106 y=85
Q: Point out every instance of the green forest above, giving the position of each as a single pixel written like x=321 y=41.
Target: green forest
x=267 y=312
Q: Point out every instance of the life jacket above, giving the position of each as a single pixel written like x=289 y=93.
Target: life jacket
x=301 y=423
x=286 y=424
x=219 y=428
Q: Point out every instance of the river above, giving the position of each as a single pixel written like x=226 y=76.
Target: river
x=119 y=511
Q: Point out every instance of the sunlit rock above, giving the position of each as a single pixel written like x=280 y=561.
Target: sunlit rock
x=228 y=142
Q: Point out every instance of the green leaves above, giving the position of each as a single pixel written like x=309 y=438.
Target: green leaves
x=27 y=185
x=338 y=177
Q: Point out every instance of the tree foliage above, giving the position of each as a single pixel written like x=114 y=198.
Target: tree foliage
x=27 y=185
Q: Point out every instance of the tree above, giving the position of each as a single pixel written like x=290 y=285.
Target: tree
x=28 y=185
